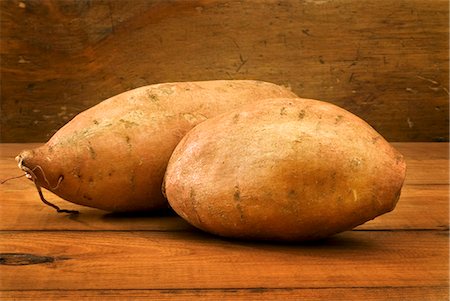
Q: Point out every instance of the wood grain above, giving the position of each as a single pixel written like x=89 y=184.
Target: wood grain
x=165 y=260
x=305 y=294
x=386 y=61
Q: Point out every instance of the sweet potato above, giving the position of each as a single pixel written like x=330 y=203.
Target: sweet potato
x=113 y=155
x=285 y=169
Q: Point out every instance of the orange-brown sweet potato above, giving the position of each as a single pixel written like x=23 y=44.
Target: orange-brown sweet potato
x=113 y=155
x=284 y=169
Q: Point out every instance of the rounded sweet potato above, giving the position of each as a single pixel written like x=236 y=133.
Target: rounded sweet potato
x=284 y=169
x=113 y=156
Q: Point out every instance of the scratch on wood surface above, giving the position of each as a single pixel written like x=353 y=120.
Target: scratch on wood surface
x=411 y=90
x=410 y=123
x=439 y=88
x=428 y=80
x=243 y=61
x=111 y=18
x=23 y=61
x=317 y=1
x=351 y=77
x=435 y=89
x=235 y=43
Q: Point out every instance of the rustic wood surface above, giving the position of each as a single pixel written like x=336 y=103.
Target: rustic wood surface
x=428 y=293
x=386 y=61
x=402 y=255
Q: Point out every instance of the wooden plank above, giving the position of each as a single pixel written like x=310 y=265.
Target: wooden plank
x=420 y=150
x=427 y=172
x=427 y=163
x=419 y=207
x=168 y=260
x=307 y=294
x=21 y=208
x=386 y=61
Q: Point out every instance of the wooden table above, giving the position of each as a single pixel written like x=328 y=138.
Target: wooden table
x=96 y=255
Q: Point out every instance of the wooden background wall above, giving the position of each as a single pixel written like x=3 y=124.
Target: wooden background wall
x=386 y=61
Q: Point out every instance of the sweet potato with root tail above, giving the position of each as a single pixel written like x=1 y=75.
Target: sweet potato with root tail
x=113 y=156
x=285 y=169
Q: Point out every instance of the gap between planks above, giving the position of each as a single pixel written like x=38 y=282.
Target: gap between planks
x=441 y=229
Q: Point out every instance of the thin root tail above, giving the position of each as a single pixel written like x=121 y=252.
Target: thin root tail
x=29 y=173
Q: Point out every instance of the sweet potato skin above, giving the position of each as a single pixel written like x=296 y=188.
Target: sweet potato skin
x=287 y=169
x=113 y=156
